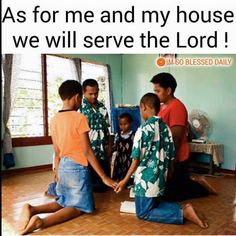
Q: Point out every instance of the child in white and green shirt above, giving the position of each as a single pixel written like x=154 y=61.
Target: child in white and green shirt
x=152 y=153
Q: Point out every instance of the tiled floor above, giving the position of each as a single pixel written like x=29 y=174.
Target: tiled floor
x=220 y=210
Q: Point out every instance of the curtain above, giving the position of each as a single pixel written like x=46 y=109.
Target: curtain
x=8 y=158
x=11 y=68
x=77 y=63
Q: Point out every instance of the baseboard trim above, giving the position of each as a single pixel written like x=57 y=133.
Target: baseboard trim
x=33 y=169
x=204 y=167
x=27 y=170
x=226 y=171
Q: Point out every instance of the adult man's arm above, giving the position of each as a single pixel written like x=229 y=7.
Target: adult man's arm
x=177 y=132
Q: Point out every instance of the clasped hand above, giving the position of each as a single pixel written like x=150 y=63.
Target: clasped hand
x=120 y=186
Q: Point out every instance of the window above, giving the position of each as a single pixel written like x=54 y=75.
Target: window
x=35 y=94
x=26 y=118
x=36 y=98
x=58 y=70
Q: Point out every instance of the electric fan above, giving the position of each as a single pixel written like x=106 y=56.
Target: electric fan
x=199 y=125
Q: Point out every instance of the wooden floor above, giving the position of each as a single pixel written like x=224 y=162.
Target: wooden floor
x=220 y=211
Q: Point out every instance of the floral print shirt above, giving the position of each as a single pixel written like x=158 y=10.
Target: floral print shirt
x=153 y=146
x=98 y=123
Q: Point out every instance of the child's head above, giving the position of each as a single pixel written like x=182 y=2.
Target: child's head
x=164 y=86
x=149 y=105
x=125 y=122
x=90 y=90
x=70 y=91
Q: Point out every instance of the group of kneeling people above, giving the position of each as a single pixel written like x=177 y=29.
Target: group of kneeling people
x=156 y=154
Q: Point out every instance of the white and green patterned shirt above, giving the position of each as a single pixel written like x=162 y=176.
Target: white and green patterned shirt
x=98 y=123
x=153 y=146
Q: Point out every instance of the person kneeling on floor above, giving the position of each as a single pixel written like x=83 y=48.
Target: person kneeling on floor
x=152 y=153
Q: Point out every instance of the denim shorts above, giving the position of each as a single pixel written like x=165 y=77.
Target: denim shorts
x=74 y=188
x=154 y=210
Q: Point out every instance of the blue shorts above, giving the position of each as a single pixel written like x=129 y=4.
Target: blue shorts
x=154 y=210
x=74 y=188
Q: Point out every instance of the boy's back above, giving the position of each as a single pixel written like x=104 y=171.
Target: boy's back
x=66 y=128
x=154 y=147
x=152 y=153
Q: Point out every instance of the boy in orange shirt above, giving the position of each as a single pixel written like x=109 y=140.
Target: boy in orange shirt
x=69 y=130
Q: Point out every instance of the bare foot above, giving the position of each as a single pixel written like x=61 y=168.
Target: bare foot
x=190 y=214
x=26 y=214
x=202 y=180
x=34 y=223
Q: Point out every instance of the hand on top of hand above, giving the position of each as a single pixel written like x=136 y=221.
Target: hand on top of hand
x=109 y=182
x=120 y=186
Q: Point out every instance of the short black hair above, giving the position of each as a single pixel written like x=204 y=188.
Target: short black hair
x=127 y=116
x=69 y=88
x=165 y=80
x=89 y=82
x=152 y=101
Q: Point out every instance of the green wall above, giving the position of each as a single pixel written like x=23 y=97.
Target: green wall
x=211 y=89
